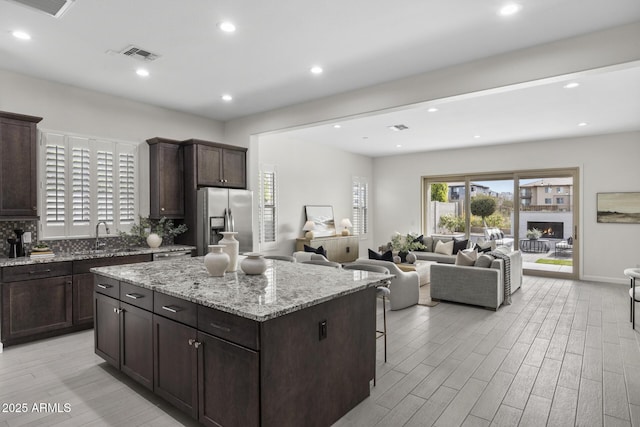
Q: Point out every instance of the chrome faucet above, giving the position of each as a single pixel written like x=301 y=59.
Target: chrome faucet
x=98 y=245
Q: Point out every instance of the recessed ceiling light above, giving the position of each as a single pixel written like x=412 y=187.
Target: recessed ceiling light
x=476 y=136
x=398 y=145
x=21 y=35
x=227 y=27
x=142 y=72
x=571 y=85
x=337 y=126
x=316 y=69
x=227 y=97
x=509 y=9
x=432 y=110
x=583 y=124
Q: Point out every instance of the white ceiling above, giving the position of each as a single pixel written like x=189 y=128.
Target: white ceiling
x=265 y=63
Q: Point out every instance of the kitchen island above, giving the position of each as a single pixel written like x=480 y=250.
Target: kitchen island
x=293 y=346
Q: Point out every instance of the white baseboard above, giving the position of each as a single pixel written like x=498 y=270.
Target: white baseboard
x=616 y=280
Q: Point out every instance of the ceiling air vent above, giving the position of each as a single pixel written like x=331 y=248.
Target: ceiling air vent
x=398 y=127
x=139 y=53
x=55 y=8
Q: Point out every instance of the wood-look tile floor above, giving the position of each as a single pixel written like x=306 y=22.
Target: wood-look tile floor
x=562 y=354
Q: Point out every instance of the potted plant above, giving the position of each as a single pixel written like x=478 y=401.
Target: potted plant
x=404 y=244
x=152 y=232
x=533 y=234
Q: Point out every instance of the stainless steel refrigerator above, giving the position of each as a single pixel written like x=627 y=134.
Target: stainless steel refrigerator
x=221 y=209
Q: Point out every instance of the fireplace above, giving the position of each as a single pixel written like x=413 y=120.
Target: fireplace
x=550 y=230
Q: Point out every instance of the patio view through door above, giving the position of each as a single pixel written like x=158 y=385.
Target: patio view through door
x=533 y=211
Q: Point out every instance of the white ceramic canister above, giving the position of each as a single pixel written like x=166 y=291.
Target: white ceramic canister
x=254 y=263
x=216 y=261
x=232 y=247
x=154 y=240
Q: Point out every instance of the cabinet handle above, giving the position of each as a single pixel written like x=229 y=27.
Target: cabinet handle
x=223 y=328
x=48 y=270
x=34 y=208
x=162 y=209
x=172 y=308
x=134 y=296
x=118 y=310
x=191 y=341
x=101 y=286
x=196 y=344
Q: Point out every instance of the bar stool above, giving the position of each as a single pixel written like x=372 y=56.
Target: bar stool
x=381 y=292
x=633 y=274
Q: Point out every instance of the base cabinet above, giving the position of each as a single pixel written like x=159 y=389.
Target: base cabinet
x=107 y=329
x=228 y=388
x=83 y=299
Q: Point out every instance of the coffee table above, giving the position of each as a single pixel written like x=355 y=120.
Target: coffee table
x=423 y=268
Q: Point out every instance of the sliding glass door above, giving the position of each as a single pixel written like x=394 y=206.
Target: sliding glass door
x=533 y=211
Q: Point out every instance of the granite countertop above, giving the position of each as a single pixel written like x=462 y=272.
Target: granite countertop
x=80 y=255
x=285 y=287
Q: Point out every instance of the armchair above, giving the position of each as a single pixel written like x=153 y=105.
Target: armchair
x=404 y=287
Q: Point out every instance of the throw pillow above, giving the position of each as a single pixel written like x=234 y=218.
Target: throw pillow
x=484 y=261
x=459 y=245
x=319 y=250
x=387 y=256
x=428 y=242
x=483 y=247
x=444 y=248
x=466 y=258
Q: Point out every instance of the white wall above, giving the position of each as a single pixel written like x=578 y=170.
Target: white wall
x=74 y=110
x=606 y=163
x=310 y=175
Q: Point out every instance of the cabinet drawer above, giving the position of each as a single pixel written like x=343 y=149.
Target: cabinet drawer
x=35 y=271
x=135 y=295
x=83 y=265
x=232 y=328
x=176 y=309
x=106 y=286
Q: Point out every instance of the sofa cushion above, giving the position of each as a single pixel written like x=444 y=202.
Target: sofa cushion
x=484 y=261
x=459 y=245
x=466 y=258
x=444 y=248
x=386 y=256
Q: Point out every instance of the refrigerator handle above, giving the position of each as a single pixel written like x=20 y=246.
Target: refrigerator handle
x=231 y=222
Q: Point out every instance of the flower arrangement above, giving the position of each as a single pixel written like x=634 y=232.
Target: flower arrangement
x=139 y=232
x=534 y=234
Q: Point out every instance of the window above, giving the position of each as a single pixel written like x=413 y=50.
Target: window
x=360 y=206
x=560 y=200
x=547 y=189
x=84 y=181
x=547 y=201
x=559 y=189
x=268 y=207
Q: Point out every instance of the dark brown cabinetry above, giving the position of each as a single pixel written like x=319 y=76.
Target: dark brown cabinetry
x=18 y=177
x=166 y=177
x=36 y=306
x=123 y=333
x=209 y=164
x=46 y=299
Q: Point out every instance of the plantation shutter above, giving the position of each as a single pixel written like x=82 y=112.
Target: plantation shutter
x=268 y=207
x=54 y=180
x=81 y=185
x=104 y=160
x=126 y=188
x=359 y=203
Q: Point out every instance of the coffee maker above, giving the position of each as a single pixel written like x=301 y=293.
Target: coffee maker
x=16 y=246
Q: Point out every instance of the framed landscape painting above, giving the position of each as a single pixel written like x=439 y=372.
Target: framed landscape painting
x=622 y=208
x=322 y=217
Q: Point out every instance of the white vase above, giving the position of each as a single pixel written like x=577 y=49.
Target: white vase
x=154 y=240
x=232 y=247
x=216 y=261
x=253 y=264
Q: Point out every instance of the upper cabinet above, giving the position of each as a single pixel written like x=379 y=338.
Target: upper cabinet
x=18 y=165
x=215 y=165
x=166 y=177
